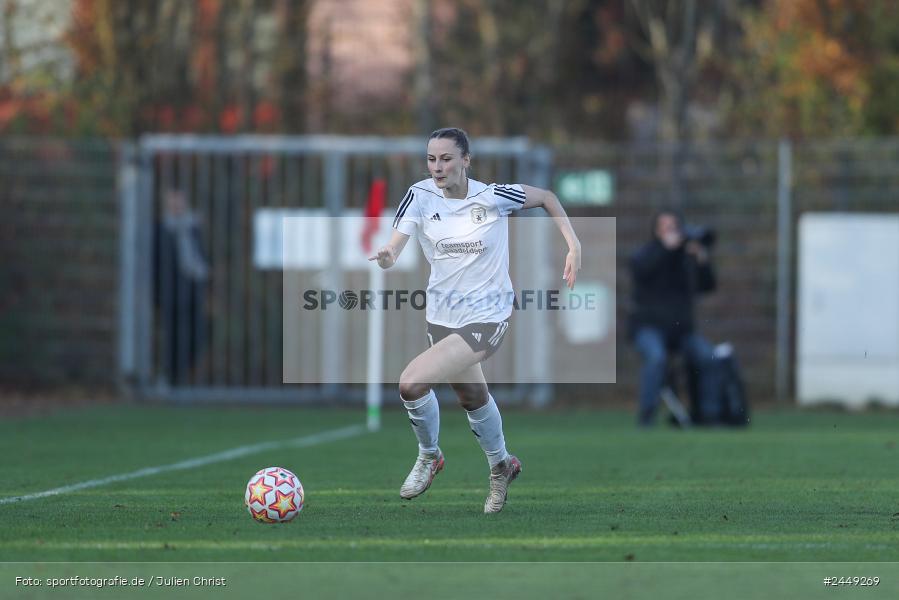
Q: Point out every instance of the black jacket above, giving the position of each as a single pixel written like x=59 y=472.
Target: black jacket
x=665 y=283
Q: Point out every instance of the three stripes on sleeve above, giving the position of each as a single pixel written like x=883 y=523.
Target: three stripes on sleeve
x=509 y=192
x=407 y=200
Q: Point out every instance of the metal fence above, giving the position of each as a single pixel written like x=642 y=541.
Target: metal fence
x=729 y=187
x=753 y=194
x=220 y=337
x=59 y=271
x=77 y=219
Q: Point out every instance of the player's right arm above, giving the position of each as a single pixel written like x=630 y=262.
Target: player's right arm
x=387 y=255
x=406 y=222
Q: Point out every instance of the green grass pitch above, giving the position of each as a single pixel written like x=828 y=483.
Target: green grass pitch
x=795 y=486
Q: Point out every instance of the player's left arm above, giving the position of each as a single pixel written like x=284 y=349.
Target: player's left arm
x=535 y=197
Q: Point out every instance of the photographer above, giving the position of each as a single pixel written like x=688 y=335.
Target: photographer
x=667 y=274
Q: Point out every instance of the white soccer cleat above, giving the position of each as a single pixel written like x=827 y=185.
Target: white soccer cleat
x=500 y=477
x=422 y=474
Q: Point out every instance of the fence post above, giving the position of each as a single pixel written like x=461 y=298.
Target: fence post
x=144 y=286
x=535 y=168
x=127 y=182
x=784 y=262
x=333 y=344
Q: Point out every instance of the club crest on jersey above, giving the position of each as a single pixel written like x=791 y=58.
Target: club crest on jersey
x=478 y=215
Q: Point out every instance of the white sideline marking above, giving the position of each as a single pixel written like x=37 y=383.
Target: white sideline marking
x=300 y=442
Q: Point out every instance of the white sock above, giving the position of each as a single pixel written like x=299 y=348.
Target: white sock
x=487 y=425
x=424 y=414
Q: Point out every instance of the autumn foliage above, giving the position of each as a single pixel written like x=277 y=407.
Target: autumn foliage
x=547 y=69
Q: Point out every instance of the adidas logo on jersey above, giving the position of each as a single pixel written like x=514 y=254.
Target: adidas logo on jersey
x=476 y=335
x=435 y=217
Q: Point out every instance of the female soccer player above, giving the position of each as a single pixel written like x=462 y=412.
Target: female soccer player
x=463 y=231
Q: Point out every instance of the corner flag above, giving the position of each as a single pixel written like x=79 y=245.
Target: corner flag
x=377 y=198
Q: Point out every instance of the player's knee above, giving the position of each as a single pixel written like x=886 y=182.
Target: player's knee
x=472 y=395
x=411 y=388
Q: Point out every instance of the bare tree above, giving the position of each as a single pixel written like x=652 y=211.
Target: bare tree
x=290 y=57
x=9 y=57
x=678 y=37
x=423 y=84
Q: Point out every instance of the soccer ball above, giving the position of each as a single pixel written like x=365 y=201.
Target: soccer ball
x=274 y=495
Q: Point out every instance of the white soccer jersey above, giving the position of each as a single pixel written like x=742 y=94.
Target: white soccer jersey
x=466 y=241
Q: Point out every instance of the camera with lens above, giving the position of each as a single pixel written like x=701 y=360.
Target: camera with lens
x=699 y=233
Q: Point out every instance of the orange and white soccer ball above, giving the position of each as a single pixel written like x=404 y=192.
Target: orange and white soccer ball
x=274 y=495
